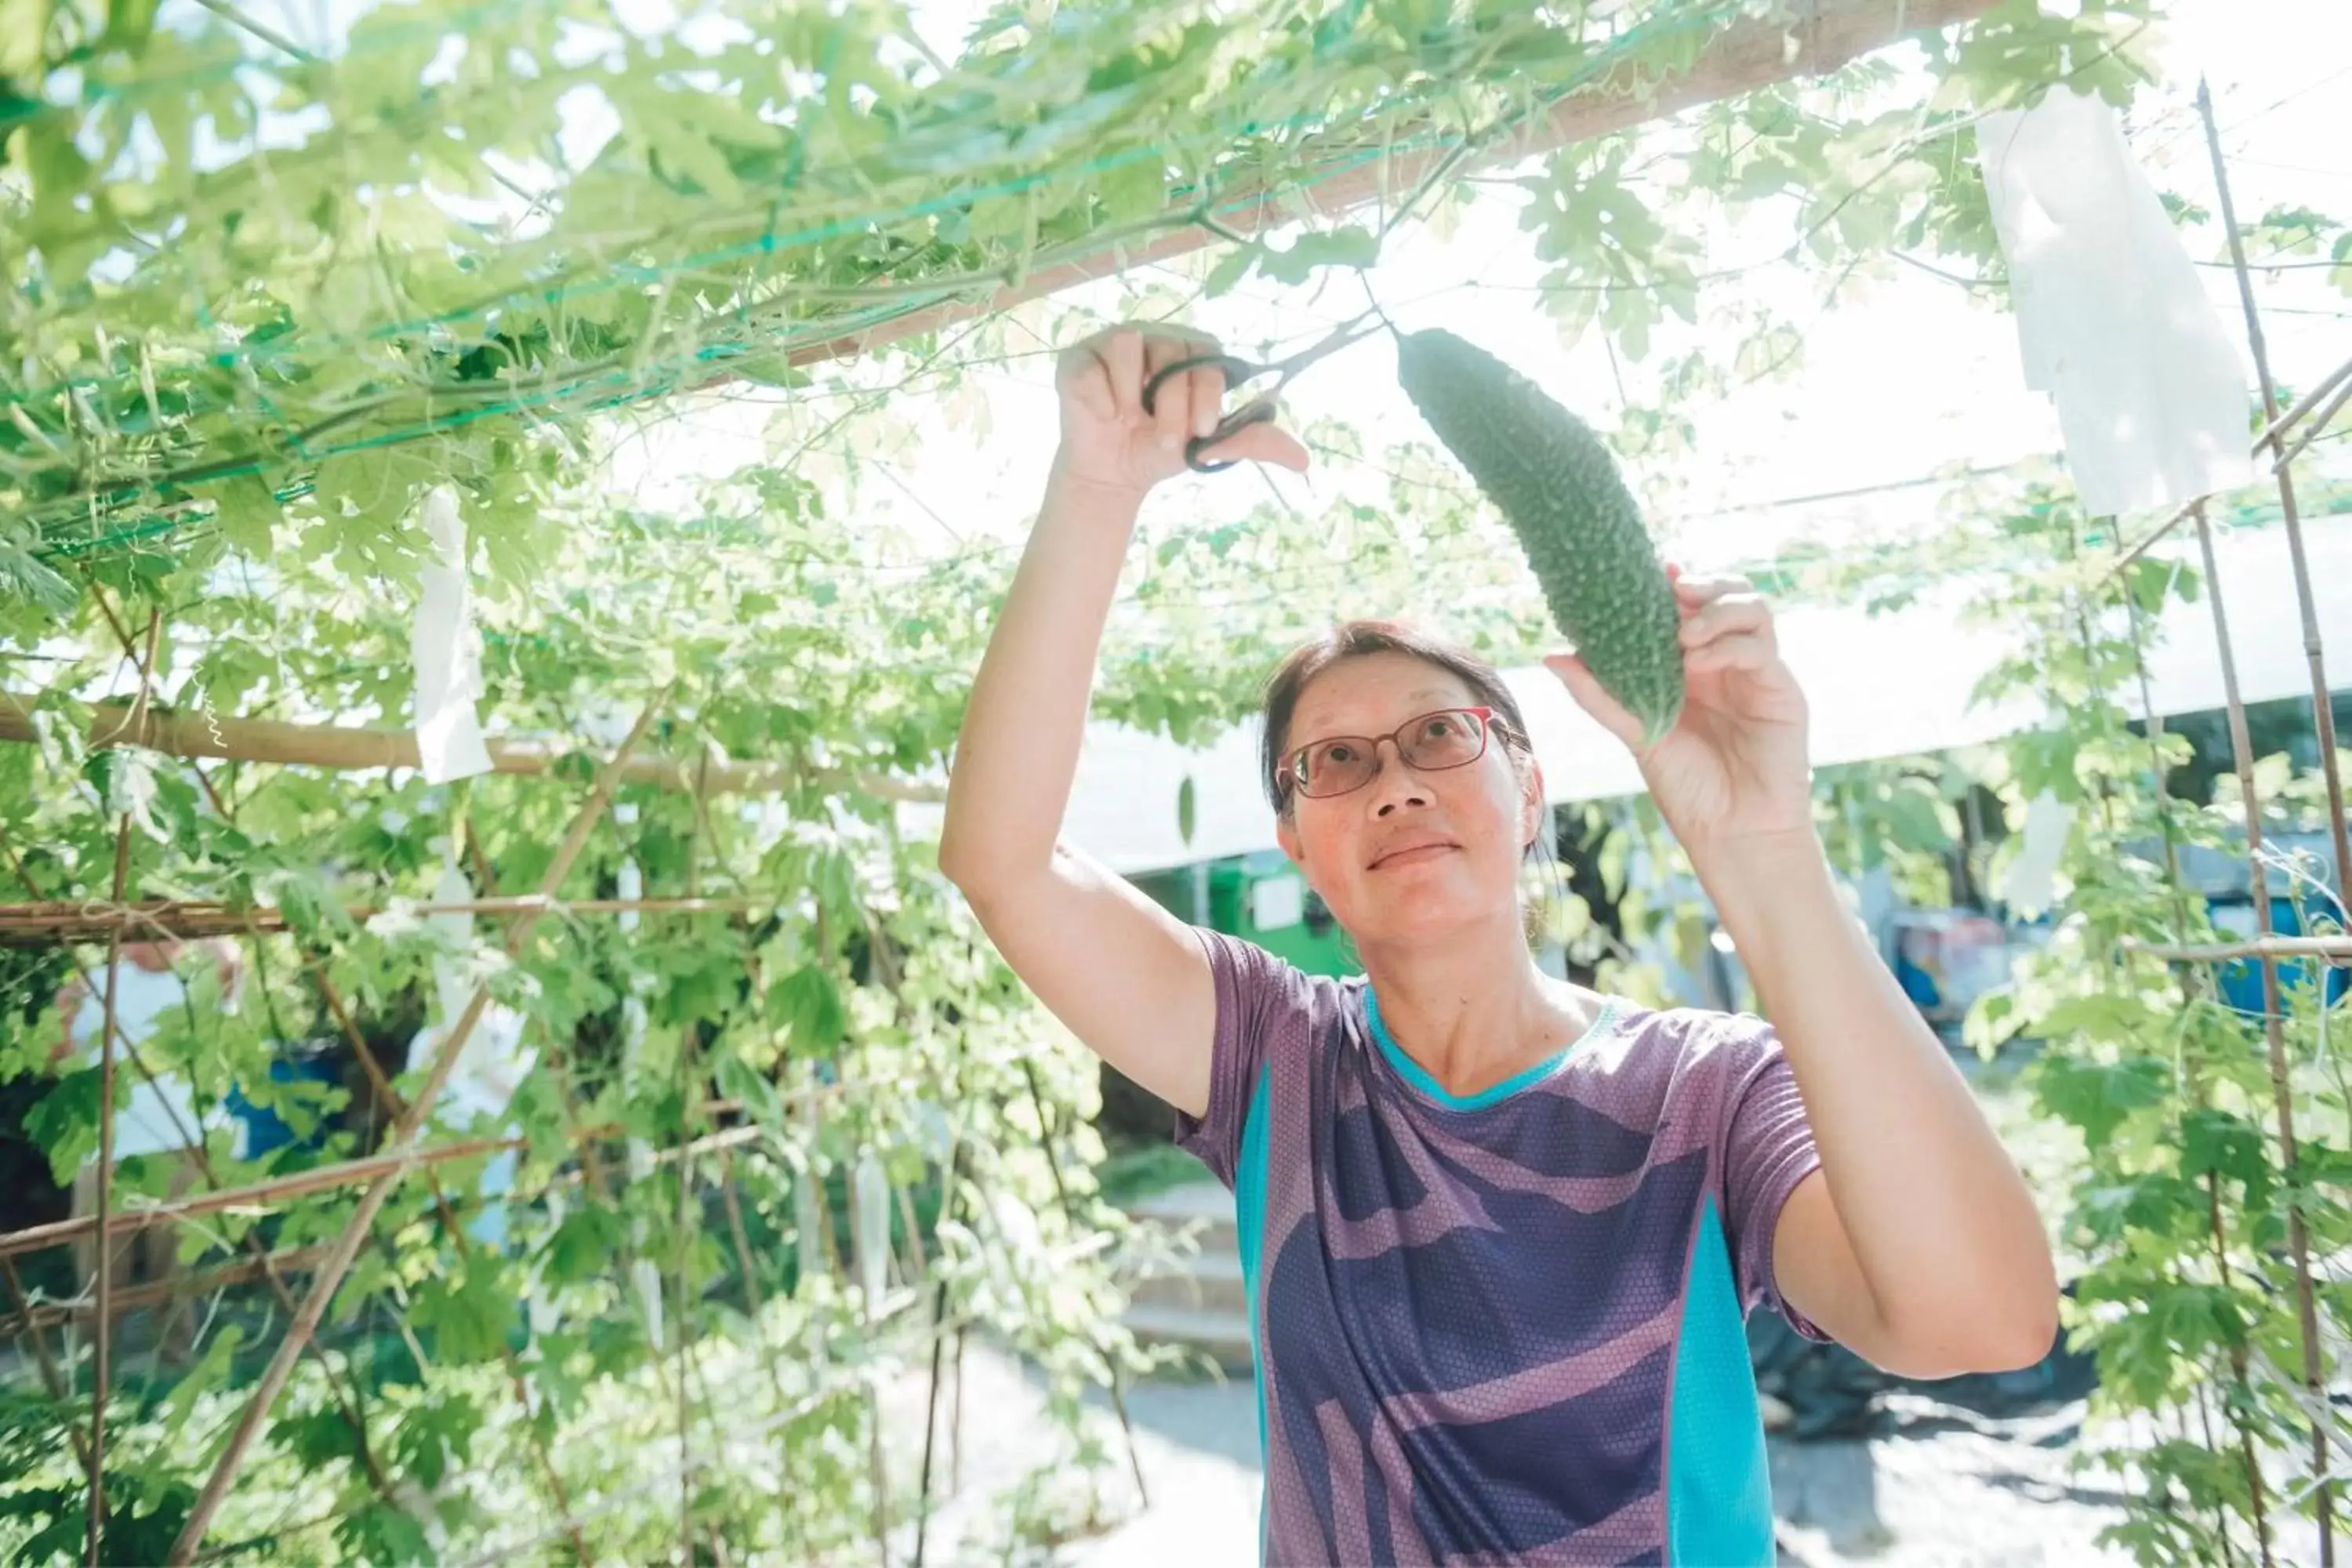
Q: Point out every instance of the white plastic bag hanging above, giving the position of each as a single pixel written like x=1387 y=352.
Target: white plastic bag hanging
x=2111 y=320
x=643 y=1273
x=809 y=1218
x=2029 y=889
x=869 y=1226
x=446 y=651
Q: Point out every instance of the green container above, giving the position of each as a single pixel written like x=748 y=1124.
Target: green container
x=1260 y=896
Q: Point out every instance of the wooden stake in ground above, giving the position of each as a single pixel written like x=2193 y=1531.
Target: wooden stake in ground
x=2274 y=1033
x=2192 y=981
x=51 y=1379
x=2324 y=718
x=405 y=1130
x=102 y=1360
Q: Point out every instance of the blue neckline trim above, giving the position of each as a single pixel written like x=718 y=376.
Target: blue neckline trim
x=1414 y=1073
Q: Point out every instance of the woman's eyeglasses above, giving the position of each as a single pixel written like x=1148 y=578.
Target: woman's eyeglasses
x=1449 y=738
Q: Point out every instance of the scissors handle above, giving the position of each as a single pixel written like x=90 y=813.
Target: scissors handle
x=1235 y=371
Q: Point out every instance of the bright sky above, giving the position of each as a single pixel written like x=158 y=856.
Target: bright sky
x=1912 y=377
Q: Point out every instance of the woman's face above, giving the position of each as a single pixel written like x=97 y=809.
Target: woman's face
x=1410 y=853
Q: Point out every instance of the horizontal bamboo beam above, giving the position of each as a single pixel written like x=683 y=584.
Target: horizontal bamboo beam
x=252 y=1198
x=59 y=922
x=181 y=734
x=260 y=1195
x=1741 y=58
x=129 y=1297
x=2335 y=950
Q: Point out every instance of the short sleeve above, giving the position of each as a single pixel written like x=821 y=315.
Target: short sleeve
x=1260 y=999
x=1768 y=1149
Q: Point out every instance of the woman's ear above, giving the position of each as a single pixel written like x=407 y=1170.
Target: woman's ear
x=1285 y=833
x=1532 y=809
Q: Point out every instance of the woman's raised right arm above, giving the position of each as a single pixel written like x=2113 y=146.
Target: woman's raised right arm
x=1124 y=975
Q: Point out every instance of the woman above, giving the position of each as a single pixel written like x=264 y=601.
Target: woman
x=1501 y=1232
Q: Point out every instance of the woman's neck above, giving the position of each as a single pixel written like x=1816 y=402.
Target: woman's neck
x=1473 y=1009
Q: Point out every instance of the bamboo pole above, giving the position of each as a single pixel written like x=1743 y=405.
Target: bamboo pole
x=336 y=746
x=331 y=1275
x=952 y=1175
x=2314 y=651
x=387 y=1096
x=2324 y=719
x=2275 y=433
x=102 y=1367
x=28 y=1322
x=102 y=1341
x=2273 y=1034
x=2319 y=424
x=2192 y=987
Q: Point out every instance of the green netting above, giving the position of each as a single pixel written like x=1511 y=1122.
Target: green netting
x=114 y=460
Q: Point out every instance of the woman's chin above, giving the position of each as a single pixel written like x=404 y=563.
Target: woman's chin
x=1425 y=908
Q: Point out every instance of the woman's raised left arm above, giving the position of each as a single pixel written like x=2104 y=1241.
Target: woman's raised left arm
x=1915 y=1244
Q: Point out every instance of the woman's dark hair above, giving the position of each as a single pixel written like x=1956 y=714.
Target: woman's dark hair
x=1359 y=639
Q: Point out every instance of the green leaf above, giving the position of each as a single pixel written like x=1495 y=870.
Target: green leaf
x=383 y=1533
x=1348 y=247
x=1185 y=808
x=64 y=1122
x=207 y=1375
x=738 y=1080
x=469 y=1314
x=23 y=28
x=1230 y=270
x=584 y=1244
x=808 y=1004
x=2228 y=1146
x=2097 y=1098
x=24 y=575
x=1992 y=1020
x=1135 y=188
x=128 y=23
x=1913 y=814
x=435 y=1433
x=316 y=1437
x=247 y=511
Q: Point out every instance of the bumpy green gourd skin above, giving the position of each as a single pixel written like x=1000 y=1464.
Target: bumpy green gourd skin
x=1557 y=485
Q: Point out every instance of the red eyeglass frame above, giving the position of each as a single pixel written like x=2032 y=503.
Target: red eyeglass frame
x=1285 y=777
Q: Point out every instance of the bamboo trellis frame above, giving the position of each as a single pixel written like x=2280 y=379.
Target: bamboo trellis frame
x=1742 y=56
x=329 y=1275
x=1746 y=56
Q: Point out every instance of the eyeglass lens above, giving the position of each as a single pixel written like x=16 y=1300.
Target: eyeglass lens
x=1431 y=743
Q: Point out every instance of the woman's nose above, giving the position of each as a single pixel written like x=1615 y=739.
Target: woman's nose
x=1396 y=784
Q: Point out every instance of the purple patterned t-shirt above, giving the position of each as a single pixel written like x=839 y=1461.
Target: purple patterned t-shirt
x=1509 y=1327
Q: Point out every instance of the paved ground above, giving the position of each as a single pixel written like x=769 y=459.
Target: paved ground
x=1947 y=1490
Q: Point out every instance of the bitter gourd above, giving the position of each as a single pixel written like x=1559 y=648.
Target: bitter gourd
x=1557 y=485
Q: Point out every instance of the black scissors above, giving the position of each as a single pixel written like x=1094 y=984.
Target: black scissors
x=1238 y=372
